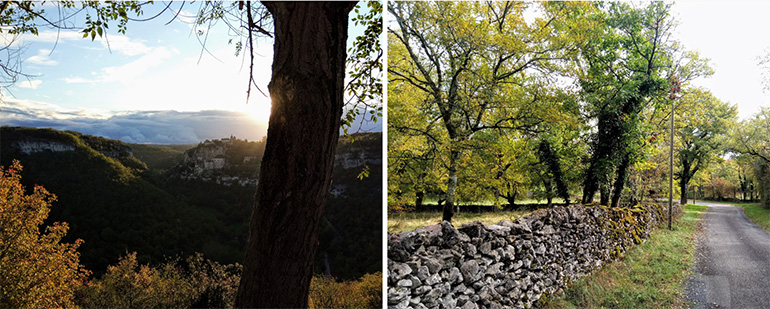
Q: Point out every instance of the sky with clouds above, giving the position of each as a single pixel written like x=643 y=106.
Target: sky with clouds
x=155 y=84
x=159 y=70
x=732 y=35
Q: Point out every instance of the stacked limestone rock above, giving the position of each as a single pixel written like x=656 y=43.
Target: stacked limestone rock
x=510 y=264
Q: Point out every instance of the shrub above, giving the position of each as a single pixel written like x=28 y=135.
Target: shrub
x=36 y=270
x=197 y=283
x=326 y=292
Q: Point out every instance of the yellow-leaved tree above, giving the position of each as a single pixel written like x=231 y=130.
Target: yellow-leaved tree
x=36 y=269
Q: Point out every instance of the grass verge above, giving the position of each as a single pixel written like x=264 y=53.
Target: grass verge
x=760 y=216
x=651 y=275
x=406 y=221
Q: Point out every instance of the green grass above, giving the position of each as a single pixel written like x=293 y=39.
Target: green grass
x=760 y=216
x=556 y=200
x=651 y=275
x=406 y=221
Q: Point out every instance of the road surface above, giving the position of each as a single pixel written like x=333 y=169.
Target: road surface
x=732 y=261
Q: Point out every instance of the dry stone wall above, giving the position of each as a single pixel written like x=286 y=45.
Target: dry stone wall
x=511 y=264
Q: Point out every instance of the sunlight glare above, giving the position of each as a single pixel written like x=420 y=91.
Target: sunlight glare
x=259 y=108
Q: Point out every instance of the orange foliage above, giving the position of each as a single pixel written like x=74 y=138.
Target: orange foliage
x=326 y=292
x=36 y=270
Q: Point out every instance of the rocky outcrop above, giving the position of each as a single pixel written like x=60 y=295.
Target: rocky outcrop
x=33 y=146
x=209 y=155
x=357 y=158
x=109 y=148
x=510 y=264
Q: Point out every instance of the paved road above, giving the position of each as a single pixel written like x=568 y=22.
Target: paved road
x=732 y=261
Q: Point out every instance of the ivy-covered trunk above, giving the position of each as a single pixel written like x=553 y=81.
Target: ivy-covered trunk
x=549 y=157
x=620 y=180
x=604 y=194
x=684 y=179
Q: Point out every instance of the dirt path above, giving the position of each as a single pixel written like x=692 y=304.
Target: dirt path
x=732 y=261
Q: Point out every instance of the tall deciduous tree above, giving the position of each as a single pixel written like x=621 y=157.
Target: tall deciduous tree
x=703 y=122
x=307 y=97
x=467 y=59
x=625 y=70
x=751 y=137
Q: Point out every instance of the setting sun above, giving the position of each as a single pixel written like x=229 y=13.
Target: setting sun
x=258 y=108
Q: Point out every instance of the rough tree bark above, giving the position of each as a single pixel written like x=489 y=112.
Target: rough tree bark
x=451 y=188
x=307 y=97
x=684 y=180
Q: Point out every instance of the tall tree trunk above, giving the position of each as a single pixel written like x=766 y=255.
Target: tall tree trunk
x=604 y=194
x=548 y=192
x=620 y=180
x=549 y=157
x=684 y=179
x=420 y=196
x=307 y=96
x=590 y=184
x=451 y=188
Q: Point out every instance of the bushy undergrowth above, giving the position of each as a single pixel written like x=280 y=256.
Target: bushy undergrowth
x=326 y=292
x=200 y=283
x=196 y=283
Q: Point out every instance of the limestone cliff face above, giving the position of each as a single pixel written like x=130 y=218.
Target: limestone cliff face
x=231 y=161
x=33 y=146
x=225 y=161
x=29 y=143
x=357 y=158
x=208 y=156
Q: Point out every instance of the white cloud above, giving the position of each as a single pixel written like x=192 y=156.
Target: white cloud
x=76 y=80
x=51 y=36
x=164 y=127
x=42 y=58
x=32 y=84
x=125 y=45
x=131 y=71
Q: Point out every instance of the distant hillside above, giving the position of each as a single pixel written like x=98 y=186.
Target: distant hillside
x=106 y=202
x=160 y=157
x=118 y=203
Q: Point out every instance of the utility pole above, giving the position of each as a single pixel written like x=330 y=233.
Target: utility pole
x=675 y=88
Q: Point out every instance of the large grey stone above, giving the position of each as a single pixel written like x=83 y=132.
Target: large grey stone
x=433 y=279
x=397 y=295
x=399 y=270
x=405 y=283
x=448 y=302
x=423 y=272
x=471 y=271
x=469 y=305
x=433 y=264
x=422 y=289
x=485 y=248
x=455 y=276
x=451 y=236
